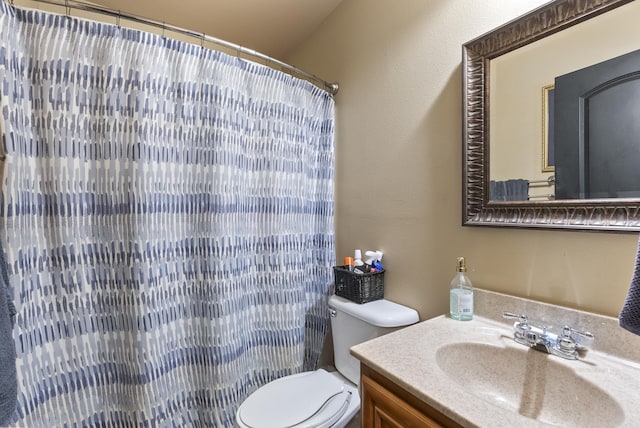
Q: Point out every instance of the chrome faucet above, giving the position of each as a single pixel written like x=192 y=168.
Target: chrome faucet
x=565 y=345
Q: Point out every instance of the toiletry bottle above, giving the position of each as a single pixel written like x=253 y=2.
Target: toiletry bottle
x=461 y=294
x=357 y=258
x=349 y=263
x=371 y=257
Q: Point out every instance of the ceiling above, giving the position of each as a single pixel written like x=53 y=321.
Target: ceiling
x=271 y=27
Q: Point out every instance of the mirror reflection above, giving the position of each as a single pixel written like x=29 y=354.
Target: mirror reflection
x=565 y=115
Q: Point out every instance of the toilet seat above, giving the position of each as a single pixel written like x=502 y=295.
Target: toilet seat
x=306 y=400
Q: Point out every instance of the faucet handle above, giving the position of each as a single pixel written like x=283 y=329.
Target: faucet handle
x=568 y=332
x=523 y=333
x=568 y=345
x=520 y=317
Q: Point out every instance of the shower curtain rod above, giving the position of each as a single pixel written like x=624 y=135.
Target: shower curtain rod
x=332 y=88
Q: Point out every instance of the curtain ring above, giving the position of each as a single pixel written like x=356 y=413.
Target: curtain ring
x=118 y=19
x=202 y=41
x=67 y=9
x=163 y=28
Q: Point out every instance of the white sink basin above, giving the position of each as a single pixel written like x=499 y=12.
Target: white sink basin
x=529 y=382
x=477 y=375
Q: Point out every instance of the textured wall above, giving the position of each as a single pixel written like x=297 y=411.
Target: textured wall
x=399 y=162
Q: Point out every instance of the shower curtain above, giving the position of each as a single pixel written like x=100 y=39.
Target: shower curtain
x=167 y=217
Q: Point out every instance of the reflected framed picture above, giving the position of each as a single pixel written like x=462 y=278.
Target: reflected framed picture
x=548 y=157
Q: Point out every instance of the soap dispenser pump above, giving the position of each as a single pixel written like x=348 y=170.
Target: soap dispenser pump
x=461 y=294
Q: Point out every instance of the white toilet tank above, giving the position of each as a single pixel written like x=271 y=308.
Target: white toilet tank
x=353 y=323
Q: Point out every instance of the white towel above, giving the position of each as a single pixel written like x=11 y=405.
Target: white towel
x=630 y=314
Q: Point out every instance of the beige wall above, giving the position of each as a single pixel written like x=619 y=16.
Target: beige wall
x=398 y=160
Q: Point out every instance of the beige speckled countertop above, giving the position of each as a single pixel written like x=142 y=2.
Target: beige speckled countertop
x=501 y=383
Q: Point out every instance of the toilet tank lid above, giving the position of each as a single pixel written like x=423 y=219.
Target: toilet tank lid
x=381 y=313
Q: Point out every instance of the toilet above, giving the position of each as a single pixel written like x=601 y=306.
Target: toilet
x=321 y=398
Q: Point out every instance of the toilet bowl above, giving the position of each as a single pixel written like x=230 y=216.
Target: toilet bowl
x=310 y=399
x=321 y=398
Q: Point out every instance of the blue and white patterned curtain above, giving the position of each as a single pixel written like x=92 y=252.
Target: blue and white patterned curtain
x=167 y=216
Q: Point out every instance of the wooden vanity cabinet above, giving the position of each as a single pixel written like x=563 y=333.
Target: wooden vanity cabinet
x=386 y=405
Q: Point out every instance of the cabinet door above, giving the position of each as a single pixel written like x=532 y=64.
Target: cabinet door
x=383 y=409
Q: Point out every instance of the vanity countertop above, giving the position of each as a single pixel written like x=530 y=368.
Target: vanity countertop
x=599 y=388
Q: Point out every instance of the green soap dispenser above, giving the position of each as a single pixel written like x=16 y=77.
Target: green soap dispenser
x=461 y=294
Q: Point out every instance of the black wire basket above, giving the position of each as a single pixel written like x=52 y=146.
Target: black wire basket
x=359 y=288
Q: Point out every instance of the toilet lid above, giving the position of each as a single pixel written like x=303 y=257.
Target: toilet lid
x=309 y=399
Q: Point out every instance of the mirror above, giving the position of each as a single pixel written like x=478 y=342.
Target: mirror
x=504 y=139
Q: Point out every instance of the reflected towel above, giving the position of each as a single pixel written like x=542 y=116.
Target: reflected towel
x=630 y=315
x=8 y=382
x=509 y=190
